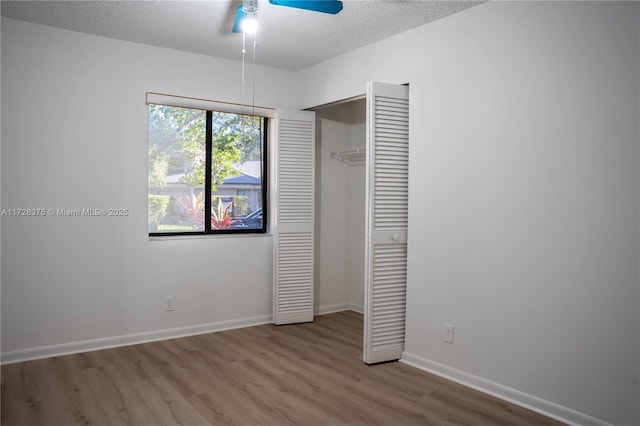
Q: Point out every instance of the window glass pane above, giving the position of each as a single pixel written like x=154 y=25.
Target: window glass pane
x=236 y=172
x=176 y=169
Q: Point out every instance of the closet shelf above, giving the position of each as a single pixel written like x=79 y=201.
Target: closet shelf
x=352 y=157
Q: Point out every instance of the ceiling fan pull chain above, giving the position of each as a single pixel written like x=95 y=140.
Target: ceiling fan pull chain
x=244 y=51
x=253 y=83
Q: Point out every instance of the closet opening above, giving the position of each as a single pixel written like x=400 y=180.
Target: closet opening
x=340 y=206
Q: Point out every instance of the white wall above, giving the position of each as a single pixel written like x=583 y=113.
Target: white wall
x=355 y=264
x=524 y=197
x=1 y=204
x=75 y=136
x=332 y=195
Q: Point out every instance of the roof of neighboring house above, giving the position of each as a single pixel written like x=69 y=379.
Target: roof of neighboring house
x=251 y=171
x=243 y=179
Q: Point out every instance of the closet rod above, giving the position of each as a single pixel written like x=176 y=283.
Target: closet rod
x=352 y=157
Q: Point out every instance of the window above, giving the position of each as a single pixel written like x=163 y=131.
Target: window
x=207 y=171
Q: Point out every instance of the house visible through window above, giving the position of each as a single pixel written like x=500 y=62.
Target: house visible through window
x=207 y=172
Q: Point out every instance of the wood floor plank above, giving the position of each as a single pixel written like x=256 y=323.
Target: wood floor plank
x=219 y=410
x=49 y=397
x=182 y=412
x=76 y=390
x=304 y=374
x=133 y=364
x=120 y=402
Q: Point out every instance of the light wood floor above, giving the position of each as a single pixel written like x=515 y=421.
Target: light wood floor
x=307 y=374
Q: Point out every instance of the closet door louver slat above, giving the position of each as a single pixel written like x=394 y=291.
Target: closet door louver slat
x=293 y=209
x=387 y=212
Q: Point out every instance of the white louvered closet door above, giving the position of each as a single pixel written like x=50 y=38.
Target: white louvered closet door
x=387 y=194
x=293 y=216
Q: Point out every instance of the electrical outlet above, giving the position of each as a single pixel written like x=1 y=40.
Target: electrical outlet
x=448 y=333
x=168 y=303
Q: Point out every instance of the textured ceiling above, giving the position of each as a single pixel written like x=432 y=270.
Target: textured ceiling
x=287 y=38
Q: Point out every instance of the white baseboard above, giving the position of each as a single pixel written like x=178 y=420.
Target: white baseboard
x=530 y=402
x=329 y=309
x=338 y=307
x=356 y=308
x=128 y=339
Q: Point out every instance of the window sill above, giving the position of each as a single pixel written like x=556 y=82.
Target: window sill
x=206 y=236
